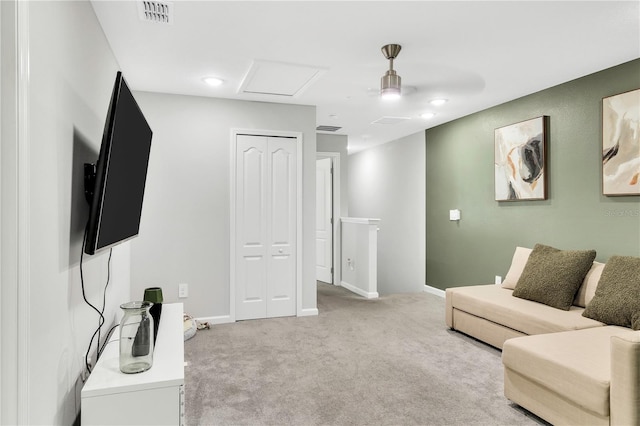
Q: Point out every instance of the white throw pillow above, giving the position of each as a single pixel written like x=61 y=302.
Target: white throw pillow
x=588 y=288
x=518 y=262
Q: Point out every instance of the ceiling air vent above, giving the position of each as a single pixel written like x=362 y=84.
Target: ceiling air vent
x=160 y=12
x=390 y=120
x=328 y=128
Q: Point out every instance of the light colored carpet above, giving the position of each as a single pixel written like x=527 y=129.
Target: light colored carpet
x=390 y=361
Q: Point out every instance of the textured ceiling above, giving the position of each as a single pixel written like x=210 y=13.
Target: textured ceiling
x=476 y=54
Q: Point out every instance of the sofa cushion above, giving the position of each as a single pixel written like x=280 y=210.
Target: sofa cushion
x=617 y=298
x=588 y=288
x=519 y=260
x=553 y=276
x=497 y=304
x=576 y=364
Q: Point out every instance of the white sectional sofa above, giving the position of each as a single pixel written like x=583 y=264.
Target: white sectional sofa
x=563 y=366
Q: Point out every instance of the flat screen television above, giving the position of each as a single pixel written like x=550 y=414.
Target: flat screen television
x=114 y=186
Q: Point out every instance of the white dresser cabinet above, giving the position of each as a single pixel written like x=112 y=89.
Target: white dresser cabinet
x=154 y=397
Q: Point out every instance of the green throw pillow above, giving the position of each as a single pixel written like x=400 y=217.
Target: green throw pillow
x=617 y=298
x=553 y=276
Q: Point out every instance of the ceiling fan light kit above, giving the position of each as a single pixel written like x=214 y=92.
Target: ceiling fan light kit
x=390 y=83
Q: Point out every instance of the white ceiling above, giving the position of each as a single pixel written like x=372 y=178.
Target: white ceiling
x=476 y=54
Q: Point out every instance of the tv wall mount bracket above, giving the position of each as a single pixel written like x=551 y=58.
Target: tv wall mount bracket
x=89 y=181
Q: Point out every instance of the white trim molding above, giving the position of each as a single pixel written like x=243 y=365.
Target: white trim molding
x=433 y=290
x=222 y=319
x=15 y=214
x=308 y=312
x=24 y=212
x=363 y=293
x=1 y=203
x=362 y=220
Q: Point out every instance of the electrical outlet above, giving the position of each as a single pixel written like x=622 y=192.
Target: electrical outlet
x=498 y=280
x=183 y=290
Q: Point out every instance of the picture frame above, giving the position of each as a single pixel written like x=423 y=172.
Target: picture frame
x=520 y=160
x=621 y=144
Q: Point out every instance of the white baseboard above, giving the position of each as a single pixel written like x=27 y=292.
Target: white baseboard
x=433 y=290
x=226 y=319
x=361 y=292
x=308 y=312
x=223 y=319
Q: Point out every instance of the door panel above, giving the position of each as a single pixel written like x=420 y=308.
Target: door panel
x=251 y=233
x=281 y=274
x=253 y=292
x=253 y=187
x=282 y=190
x=324 y=225
x=280 y=299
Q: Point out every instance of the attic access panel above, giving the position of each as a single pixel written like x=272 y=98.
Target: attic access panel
x=279 y=78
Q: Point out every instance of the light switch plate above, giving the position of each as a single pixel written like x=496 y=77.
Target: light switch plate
x=183 y=290
x=454 y=214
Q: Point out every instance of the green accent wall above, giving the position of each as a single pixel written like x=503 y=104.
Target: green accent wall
x=460 y=175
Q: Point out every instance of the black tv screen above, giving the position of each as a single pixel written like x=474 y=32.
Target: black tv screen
x=120 y=173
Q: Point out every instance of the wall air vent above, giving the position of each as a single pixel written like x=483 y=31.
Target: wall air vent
x=328 y=128
x=160 y=12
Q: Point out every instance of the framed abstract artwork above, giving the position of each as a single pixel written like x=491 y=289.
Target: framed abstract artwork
x=621 y=144
x=520 y=159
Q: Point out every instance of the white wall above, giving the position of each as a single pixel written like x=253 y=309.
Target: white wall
x=359 y=256
x=388 y=182
x=338 y=143
x=67 y=91
x=8 y=229
x=184 y=231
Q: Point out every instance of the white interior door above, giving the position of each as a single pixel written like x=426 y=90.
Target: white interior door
x=265 y=267
x=324 y=221
x=281 y=232
x=251 y=232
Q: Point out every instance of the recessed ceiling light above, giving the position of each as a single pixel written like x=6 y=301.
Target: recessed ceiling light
x=438 y=102
x=428 y=115
x=213 y=81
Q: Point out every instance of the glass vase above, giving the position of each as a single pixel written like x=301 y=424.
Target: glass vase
x=136 y=337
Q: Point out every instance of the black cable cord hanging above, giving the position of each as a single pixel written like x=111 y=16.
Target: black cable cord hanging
x=106 y=340
x=104 y=300
x=101 y=320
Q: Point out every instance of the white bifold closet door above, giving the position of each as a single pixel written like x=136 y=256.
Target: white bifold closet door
x=265 y=258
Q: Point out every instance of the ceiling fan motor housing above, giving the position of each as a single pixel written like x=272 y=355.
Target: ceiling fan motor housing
x=390 y=80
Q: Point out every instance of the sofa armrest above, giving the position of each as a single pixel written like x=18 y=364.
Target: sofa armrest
x=625 y=379
x=448 y=314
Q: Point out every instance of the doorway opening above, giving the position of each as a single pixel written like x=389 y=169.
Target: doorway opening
x=328 y=212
